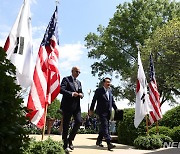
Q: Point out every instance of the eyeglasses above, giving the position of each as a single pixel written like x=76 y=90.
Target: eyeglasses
x=78 y=72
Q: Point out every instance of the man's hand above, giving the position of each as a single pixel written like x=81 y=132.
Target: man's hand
x=90 y=112
x=80 y=95
x=75 y=94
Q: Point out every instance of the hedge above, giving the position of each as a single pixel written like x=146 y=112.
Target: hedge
x=127 y=133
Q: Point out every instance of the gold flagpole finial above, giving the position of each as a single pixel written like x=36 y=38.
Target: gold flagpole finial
x=57 y=2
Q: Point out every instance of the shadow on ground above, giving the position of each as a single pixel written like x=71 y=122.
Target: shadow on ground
x=114 y=140
x=121 y=146
x=100 y=148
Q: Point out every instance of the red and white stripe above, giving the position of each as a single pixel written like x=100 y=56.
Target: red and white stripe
x=154 y=98
x=46 y=83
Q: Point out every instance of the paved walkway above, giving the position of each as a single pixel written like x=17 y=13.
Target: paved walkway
x=85 y=144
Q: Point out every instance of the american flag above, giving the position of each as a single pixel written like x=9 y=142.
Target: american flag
x=154 y=96
x=46 y=78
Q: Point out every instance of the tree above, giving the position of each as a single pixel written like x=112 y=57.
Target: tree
x=165 y=47
x=13 y=136
x=53 y=108
x=115 y=47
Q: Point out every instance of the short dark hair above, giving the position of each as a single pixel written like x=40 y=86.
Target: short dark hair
x=106 y=78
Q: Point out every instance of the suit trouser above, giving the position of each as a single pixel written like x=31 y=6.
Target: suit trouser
x=104 y=129
x=66 y=121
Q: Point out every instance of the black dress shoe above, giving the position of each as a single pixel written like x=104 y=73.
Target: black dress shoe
x=70 y=145
x=99 y=144
x=111 y=146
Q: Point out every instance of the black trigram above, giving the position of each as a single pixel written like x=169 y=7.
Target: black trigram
x=143 y=98
x=19 y=45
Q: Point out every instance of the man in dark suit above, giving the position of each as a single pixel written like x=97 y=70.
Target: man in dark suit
x=105 y=101
x=71 y=90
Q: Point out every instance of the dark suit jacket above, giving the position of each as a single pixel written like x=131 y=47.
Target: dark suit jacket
x=104 y=106
x=68 y=102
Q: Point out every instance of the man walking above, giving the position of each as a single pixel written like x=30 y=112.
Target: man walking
x=71 y=90
x=104 y=98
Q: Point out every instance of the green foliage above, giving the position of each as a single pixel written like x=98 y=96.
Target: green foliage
x=55 y=131
x=53 y=108
x=164 y=138
x=33 y=129
x=127 y=133
x=115 y=46
x=12 y=115
x=148 y=142
x=164 y=46
x=176 y=134
x=171 y=118
x=84 y=115
x=44 y=147
x=162 y=130
x=86 y=131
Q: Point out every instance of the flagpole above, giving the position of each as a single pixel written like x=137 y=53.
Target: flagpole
x=157 y=129
x=89 y=93
x=48 y=55
x=147 y=125
x=47 y=98
x=43 y=131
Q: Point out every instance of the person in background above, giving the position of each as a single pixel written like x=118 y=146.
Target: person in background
x=87 y=122
x=105 y=102
x=71 y=90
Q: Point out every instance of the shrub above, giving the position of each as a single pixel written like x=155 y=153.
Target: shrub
x=12 y=114
x=127 y=133
x=148 y=142
x=44 y=147
x=175 y=135
x=55 y=131
x=32 y=129
x=162 y=130
x=171 y=118
x=164 y=138
x=86 y=131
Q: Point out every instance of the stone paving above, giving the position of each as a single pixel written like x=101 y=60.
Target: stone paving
x=85 y=144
